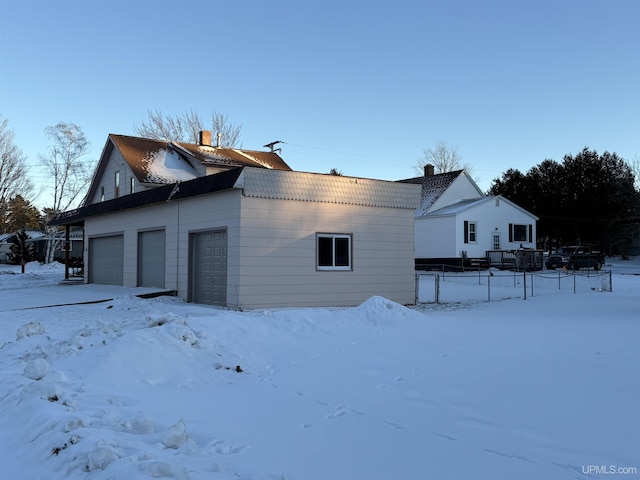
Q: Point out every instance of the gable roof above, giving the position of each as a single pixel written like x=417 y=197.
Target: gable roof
x=464 y=205
x=433 y=186
x=161 y=162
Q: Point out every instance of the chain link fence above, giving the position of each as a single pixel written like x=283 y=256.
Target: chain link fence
x=486 y=286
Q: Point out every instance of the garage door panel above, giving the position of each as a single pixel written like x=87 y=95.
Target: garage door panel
x=209 y=268
x=106 y=260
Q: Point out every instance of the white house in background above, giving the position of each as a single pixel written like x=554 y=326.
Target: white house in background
x=249 y=235
x=456 y=224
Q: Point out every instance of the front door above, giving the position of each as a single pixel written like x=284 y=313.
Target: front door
x=495 y=241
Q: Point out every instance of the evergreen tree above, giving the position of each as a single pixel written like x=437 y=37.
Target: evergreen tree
x=22 y=251
x=588 y=198
x=19 y=214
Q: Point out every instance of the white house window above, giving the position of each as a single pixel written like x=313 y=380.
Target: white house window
x=334 y=251
x=470 y=232
x=520 y=232
x=102 y=193
x=116 y=191
x=133 y=185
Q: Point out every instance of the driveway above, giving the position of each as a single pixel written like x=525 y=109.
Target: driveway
x=69 y=294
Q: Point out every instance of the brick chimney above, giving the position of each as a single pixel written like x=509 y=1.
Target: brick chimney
x=205 y=138
x=428 y=170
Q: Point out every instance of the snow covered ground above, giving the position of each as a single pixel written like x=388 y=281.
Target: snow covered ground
x=543 y=388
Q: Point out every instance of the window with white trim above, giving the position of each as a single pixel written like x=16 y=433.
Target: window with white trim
x=333 y=251
x=469 y=232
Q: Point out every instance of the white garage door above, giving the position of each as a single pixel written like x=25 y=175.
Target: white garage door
x=106 y=260
x=209 y=267
x=151 y=259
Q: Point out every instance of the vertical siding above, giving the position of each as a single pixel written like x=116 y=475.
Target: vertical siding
x=205 y=213
x=130 y=223
x=272 y=248
x=278 y=254
x=115 y=162
x=210 y=212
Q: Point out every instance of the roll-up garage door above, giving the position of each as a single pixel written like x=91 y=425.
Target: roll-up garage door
x=209 y=267
x=106 y=259
x=151 y=259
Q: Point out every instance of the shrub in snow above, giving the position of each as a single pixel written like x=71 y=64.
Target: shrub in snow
x=29 y=330
x=176 y=436
x=158 y=319
x=36 y=369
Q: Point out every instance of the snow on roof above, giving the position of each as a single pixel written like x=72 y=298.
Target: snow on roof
x=164 y=166
x=433 y=186
x=457 y=207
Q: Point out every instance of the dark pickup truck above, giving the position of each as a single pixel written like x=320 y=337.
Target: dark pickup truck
x=575 y=258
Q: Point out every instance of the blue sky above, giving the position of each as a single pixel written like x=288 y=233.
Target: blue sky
x=361 y=86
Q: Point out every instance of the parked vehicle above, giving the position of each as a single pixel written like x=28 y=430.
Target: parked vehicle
x=575 y=257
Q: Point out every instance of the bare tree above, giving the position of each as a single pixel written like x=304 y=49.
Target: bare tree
x=70 y=176
x=186 y=127
x=634 y=164
x=444 y=157
x=14 y=178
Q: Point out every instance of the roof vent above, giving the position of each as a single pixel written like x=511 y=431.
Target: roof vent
x=205 y=138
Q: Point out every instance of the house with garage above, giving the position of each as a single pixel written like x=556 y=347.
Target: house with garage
x=458 y=225
x=240 y=229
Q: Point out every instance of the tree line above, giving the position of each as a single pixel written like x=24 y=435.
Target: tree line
x=588 y=198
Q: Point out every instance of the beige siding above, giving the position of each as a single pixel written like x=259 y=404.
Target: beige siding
x=219 y=211
x=278 y=254
x=272 y=250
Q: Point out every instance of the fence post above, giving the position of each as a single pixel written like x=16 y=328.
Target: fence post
x=574 y=281
x=524 y=272
x=489 y=288
x=559 y=280
x=532 y=284
x=610 y=282
x=437 y=286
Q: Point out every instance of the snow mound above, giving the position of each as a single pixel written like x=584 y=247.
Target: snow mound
x=29 y=330
x=176 y=436
x=36 y=369
x=377 y=307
